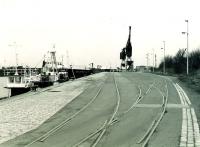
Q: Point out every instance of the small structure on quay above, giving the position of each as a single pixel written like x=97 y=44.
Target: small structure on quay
x=126 y=54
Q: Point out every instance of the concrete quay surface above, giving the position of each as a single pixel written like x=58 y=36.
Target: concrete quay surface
x=104 y=110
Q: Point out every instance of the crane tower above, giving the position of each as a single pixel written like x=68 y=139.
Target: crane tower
x=126 y=54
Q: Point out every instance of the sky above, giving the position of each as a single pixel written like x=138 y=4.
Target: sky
x=94 y=31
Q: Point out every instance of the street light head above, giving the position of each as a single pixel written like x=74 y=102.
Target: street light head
x=186 y=20
x=183 y=32
x=161 y=48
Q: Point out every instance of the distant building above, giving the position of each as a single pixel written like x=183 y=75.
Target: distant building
x=141 y=68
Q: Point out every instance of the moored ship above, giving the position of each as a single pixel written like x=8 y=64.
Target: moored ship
x=51 y=72
x=18 y=84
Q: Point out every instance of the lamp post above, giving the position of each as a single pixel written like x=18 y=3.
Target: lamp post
x=147 y=56
x=164 y=57
x=187 y=46
x=153 y=59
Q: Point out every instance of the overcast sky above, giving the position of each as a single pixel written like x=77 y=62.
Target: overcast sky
x=95 y=30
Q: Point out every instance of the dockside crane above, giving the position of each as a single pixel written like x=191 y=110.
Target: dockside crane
x=126 y=54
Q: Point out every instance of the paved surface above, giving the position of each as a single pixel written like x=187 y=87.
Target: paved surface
x=122 y=109
x=22 y=113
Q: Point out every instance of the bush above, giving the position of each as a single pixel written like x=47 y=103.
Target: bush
x=194 y=60
x=177 y=63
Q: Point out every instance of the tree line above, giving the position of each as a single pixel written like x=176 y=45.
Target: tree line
x=177 y=64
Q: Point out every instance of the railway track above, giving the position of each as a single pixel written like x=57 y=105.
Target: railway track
x=139 y=98
x=128 y=111
x=101 y=131
x=114 y=118
x=110 y=120
x=46 y=135
x=147 y=136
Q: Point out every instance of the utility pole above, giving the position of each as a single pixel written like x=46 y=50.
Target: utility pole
x=147 y=57
x=155 y=61
x=187 y=33
x=67 y=59
x=164 y=57
x=4 y=67
x=62 y=62
x=187 y=49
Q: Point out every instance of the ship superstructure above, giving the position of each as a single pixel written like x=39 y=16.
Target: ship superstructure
x=20 y=83
x=52 y=71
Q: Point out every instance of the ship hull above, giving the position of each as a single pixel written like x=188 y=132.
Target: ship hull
x=17 y=91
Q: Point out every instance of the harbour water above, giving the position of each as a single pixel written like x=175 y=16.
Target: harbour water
x=3 y=91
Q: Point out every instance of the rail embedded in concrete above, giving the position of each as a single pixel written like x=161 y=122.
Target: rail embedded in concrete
x=113 y=115
x=63 y=123
x=146 y=137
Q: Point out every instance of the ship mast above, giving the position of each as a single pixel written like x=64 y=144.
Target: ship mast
x=53 y=59
x=16 y=55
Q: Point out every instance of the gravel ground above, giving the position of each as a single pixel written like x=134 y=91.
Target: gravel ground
x=26 y=112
